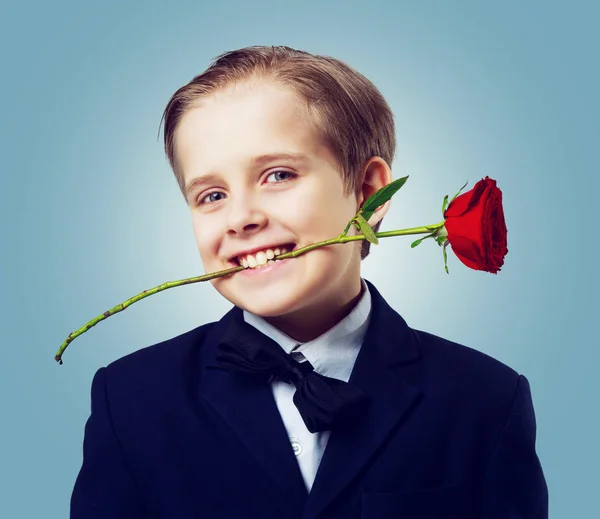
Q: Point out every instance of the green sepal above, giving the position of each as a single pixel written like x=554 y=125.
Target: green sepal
x=441 y=240
x=366 y=229
x=446 y=258
x=417 y=242
x=458 y=192
x=444 y=205
x=380 y=197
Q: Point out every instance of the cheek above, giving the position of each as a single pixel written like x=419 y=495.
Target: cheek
x=205 y=239
x=314 y=207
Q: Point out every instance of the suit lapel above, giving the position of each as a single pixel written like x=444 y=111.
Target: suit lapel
x=380 y=371
x=248 y=406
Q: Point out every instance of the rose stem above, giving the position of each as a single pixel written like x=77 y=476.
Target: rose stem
x=205 y=277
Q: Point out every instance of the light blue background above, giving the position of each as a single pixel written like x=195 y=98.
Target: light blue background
x=91 y=213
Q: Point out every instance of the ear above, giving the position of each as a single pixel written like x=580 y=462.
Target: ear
x=379 y=213
x=376 y=175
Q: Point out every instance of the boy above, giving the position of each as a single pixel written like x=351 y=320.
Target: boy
x=362 y=416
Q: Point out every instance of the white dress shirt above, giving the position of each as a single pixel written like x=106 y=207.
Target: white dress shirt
x=332 y=354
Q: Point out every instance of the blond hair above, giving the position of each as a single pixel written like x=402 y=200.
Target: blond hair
x=350 y=114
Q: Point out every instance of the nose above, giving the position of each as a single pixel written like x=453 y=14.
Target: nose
x=245 y=214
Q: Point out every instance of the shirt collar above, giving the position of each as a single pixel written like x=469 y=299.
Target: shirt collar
x=332 y=353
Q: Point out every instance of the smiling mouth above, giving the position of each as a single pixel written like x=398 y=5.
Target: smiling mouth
x=289 y=246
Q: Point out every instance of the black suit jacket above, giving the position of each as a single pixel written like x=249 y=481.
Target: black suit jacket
x=449 y=432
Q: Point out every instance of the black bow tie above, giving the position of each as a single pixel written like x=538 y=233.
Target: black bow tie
x=322 y=401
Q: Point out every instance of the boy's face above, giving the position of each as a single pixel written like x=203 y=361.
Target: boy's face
x=274 y=202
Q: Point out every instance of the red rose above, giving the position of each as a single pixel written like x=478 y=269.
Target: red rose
x=476 y=228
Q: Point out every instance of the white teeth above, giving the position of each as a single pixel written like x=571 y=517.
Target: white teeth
x=261 y=258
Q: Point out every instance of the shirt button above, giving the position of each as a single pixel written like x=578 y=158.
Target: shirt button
x=296 y=446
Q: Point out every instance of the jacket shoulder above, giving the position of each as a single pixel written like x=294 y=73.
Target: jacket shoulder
x=465 y=372
x=162 y=356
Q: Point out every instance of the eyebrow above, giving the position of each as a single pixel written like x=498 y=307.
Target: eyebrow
x=260 y=160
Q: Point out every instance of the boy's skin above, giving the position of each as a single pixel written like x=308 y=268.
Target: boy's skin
x=255 y=208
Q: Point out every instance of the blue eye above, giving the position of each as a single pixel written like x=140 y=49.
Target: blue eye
x=280 y=171
x=204 y=197
x=213 y=193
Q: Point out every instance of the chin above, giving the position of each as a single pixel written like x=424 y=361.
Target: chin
x=267 y=307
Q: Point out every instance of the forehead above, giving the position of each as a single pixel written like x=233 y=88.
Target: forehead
x=230 y=128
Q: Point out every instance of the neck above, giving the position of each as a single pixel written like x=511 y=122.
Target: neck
x=311 y=322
